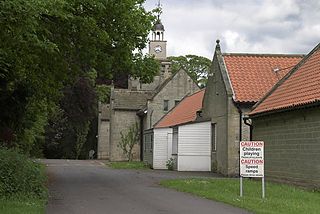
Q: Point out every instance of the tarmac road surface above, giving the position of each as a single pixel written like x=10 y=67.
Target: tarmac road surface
x=89 y=187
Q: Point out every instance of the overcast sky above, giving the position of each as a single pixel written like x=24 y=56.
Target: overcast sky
x=253 y=26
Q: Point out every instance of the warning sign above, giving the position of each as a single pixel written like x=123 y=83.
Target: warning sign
x=251 y=159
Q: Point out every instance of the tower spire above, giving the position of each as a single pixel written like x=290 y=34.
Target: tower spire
x=159 y=9
x=157 y=46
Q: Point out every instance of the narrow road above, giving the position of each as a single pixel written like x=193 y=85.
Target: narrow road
x=89 y=187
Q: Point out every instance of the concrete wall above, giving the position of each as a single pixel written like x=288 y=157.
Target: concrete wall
x=292 y=145
x=179 y=86
x=121 y=121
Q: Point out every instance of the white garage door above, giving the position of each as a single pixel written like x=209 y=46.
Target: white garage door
x=162 y=143
x=194 y=147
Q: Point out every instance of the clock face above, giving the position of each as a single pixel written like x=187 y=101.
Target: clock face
x=158 y=49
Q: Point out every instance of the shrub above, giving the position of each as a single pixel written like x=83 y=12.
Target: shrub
x=129 y=140
x=170 y=163
x=20 y=176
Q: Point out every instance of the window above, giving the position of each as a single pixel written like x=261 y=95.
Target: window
x=213 y=137
x=176 y=102
x=165 y=105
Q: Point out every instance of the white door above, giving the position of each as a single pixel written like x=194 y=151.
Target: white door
x=160 y=150
x=194 y=147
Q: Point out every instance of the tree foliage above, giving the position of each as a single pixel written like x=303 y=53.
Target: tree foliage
x=128 y=141
x=47 y=46
x=197 y=66
x=67 y=131
x=29 y=82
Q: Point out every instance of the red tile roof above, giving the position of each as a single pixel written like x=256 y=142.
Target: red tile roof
x=184 y=112
x=300 y=87
x=252 y=75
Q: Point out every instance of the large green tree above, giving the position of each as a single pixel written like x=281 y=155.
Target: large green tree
x=30 y=81
x=46 y=46
x=197 y=66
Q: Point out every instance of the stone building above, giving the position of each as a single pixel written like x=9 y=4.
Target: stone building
x=142 y=103
x=236 y=83
x=287 y=119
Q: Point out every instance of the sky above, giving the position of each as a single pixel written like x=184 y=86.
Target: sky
x=243 y=26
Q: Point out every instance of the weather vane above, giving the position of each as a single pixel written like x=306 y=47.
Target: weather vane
x=159 y=5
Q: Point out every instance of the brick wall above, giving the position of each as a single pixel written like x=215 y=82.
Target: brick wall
x=292 y=145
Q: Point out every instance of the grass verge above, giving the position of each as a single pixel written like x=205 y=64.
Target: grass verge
x=22 y=205
x=280 y=198
x=128 y=165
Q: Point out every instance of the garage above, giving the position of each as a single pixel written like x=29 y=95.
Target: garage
x=178 y=135
x=194 y=147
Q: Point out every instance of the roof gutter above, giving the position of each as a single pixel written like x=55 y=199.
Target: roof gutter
x=290 y=108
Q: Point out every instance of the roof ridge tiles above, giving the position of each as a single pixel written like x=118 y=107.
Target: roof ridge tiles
x=263 y=54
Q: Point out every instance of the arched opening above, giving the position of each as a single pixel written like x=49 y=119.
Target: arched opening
x=158 y=34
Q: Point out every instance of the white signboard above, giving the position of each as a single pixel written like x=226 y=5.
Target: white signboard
x=251 y=159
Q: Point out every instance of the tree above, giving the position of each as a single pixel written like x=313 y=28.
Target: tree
x=29 y=82
x=197 y=66
x=128 y=141
x=101 y=35
x=47 y=46
x=68 y=130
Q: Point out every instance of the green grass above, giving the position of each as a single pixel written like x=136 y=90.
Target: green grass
x=279 y=198
x=128 y=165
x=22 y=205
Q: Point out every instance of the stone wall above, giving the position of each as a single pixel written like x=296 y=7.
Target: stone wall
x=121 y=120
x=176 y=89
x=218 y=105
x=292 y=145
x=103 y=140
x=103 y=131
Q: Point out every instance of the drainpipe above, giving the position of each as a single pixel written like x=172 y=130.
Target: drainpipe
x=246 y=120
x=141 y=114
x=240 y=124
x=150 y=119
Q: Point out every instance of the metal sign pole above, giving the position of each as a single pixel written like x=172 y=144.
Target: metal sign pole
x=263 y=188
x=241 y=191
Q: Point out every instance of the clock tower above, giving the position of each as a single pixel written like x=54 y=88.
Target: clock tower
x=157 y=48
x=157 y=45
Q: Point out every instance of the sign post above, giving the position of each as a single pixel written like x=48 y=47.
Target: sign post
x=252 y=162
